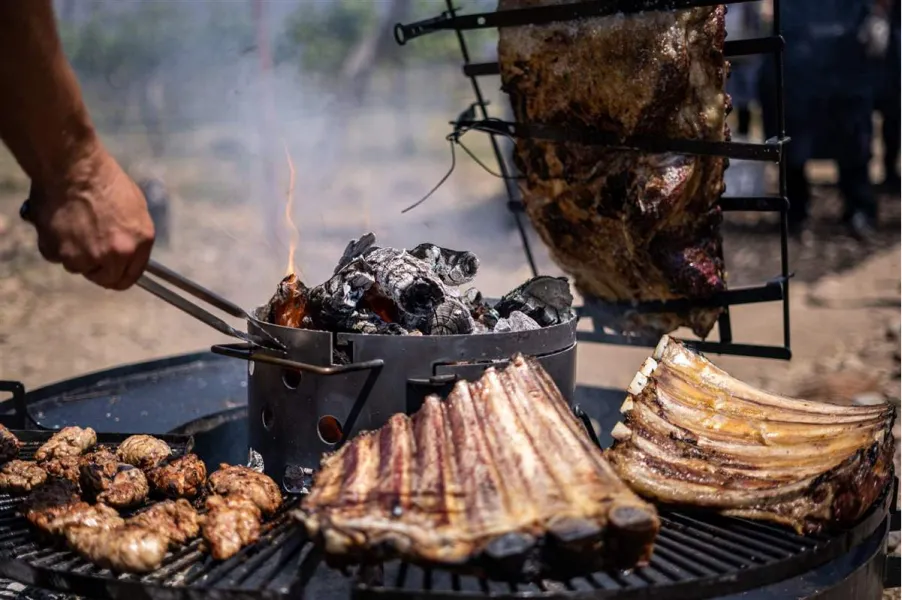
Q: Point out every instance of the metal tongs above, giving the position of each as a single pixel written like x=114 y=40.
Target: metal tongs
x=260 y=340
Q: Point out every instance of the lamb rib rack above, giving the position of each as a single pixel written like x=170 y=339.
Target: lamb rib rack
x=693 y=435
x=499 y=479
x=628 y=226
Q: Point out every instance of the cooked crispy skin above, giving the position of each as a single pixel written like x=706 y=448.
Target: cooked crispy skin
x=626 y=225
x=501 y=464
x=110 y=481
x=21 y=476
x=65 y=467
x=84 y=515
x=231 y=523
x=182 y=477
x=232 y=480
x=68 y=441
x=129 y=548
x=143 y=451
x=9 y=444
x=693 y=435
x=50 y=500
x=176 y=519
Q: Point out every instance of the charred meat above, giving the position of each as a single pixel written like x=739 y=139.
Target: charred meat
x=627 y=225
x=68 y=441
x=9 y=444
x=143 y=451
x=237 y=480
x=176 y=519
x=64 y=467
x=182 y=477
x=129 y=549
x=106 y=479
x=49 y=501
x=693 y=435
x=499 y=477
x=230 y=524
x=21 y=476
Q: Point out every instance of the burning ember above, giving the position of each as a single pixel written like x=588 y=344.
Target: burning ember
x=400 y=292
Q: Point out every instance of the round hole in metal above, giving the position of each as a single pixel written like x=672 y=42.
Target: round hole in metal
x=267 y=417
x=291 y=379
x=329 y=429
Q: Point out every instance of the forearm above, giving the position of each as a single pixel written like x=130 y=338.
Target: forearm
x=43 y=119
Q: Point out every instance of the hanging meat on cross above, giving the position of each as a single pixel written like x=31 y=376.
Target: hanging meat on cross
x=499 y=479
x=627 y=225
x=692 y=435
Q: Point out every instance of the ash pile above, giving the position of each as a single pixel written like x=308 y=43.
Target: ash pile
x=390 y=291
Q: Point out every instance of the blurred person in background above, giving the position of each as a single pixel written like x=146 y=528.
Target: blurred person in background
x=89 y=215
x=743 y=21
x=832 y=50
x=889 y=98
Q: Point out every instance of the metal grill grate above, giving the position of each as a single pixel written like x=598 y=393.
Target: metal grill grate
x=696 y=556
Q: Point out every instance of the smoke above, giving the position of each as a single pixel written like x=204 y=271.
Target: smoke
x=208 y=95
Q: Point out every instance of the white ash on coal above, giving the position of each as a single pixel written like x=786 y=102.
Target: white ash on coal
x=390 y=291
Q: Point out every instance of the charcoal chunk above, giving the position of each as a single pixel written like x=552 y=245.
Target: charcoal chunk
x=453 y=267
x=546 y=300
x=516 y=322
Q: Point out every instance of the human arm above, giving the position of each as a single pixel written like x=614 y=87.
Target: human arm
x=89 y=215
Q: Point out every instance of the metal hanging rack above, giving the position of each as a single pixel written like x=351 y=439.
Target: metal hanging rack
x=775 y=290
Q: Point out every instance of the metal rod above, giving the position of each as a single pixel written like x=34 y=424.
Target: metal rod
x=509 y=184
x=784 y=217
x=198 y=291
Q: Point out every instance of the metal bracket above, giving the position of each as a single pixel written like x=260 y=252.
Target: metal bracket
x=20 y=410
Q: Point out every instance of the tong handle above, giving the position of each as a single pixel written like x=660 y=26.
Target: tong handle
x=196 y=290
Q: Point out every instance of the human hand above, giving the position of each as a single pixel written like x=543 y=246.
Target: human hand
x=94 y=221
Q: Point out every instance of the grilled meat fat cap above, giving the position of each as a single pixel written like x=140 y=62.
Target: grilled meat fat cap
x=693 y=435
x=494 y=471
x=626 y=225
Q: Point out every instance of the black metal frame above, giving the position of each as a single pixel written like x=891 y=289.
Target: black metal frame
x=770 y=151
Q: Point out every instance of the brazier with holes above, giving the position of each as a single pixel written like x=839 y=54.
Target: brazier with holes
x=307 y=403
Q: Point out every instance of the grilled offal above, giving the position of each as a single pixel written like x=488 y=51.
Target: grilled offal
x=500 y=479
x=693 y=435
x=628 y=225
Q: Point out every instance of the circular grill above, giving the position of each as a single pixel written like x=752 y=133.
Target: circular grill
x=696 y=556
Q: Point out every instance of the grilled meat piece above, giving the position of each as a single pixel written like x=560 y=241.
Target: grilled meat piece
x=627 y=225
x=50 y=500
x=65 y=467
x=112 y=482
x=143 y=451
x=693 y=435
x=500 y=476
x=182 y=477
x=21 y=476
x=9 y=444
x=130 y=548
x=236 y=480
x=68 y=441
x=84 y=515
x=231 y=523
x=176 y=519
x=127 y=489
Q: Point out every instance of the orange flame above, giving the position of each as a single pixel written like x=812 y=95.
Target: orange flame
x=289 y=205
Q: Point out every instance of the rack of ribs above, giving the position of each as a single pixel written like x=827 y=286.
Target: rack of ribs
x=692 y=435
x=627 y=225
x=499 y=479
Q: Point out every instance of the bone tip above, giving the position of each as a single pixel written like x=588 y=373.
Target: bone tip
x=661 y=347
x=633 y=518
x=637 y=384
x=627 y=405
x=621 y=432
